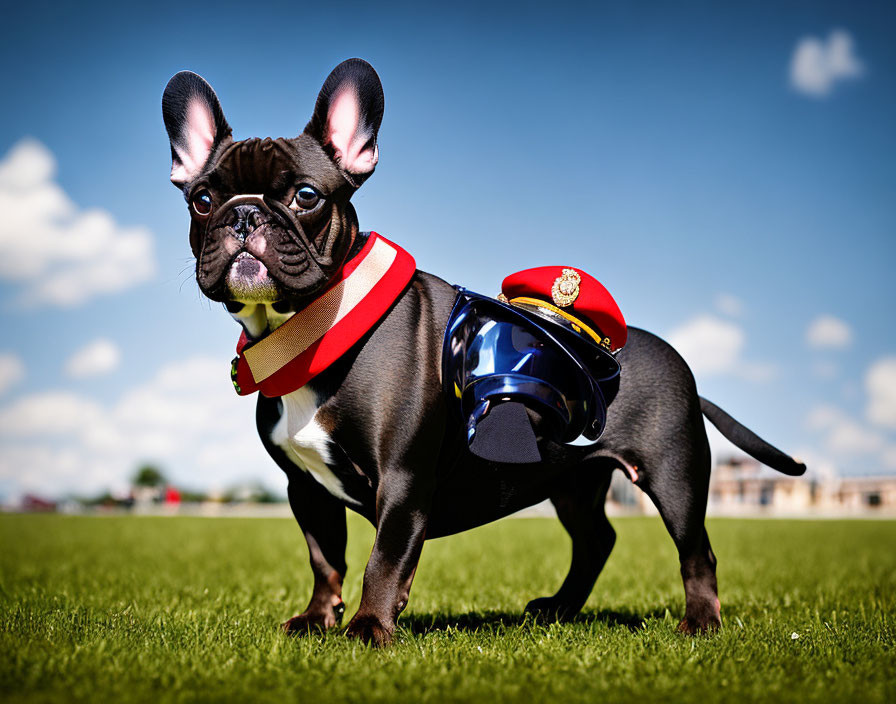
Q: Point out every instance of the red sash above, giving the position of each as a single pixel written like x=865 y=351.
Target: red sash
x=319 y=334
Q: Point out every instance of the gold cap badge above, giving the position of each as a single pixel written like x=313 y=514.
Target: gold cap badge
x=566 y=288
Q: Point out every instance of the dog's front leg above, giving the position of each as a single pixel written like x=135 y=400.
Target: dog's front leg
x=402 y=511
x=322 y=519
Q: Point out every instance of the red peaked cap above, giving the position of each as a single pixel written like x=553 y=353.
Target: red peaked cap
x=556 y=285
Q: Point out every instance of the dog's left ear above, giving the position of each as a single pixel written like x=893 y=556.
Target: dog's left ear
x=347 y=117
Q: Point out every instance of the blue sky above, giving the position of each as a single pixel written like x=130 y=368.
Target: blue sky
x=726 y=171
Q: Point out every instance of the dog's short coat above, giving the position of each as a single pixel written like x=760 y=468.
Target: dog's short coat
x=271 y=223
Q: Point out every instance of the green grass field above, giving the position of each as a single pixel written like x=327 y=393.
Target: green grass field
x=188 y=608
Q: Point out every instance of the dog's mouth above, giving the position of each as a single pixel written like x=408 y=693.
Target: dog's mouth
x=249 y=281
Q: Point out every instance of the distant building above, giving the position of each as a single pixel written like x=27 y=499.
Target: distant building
x=743 y=486
x=740 y=486
x=867 y=494
x=145 y=496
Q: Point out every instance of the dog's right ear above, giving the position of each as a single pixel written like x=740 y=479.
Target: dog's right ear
x=195 y=124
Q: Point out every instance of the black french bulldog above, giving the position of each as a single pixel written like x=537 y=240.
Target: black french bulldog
x=271 y=224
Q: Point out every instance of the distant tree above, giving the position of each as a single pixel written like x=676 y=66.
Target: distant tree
x=103 y=499
x=266 y=496
x=193 y=497
x=148 y=475
x=252 y=492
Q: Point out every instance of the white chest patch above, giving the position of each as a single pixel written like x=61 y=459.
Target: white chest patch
x=259 y=318
x=305 y=442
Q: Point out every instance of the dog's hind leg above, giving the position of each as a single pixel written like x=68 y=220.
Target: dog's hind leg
x=678 y=484
x=580 y=507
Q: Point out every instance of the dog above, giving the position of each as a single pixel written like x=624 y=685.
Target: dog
x=271 y=226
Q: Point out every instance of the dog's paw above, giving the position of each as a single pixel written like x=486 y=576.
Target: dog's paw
x=551 y=608
x=701 y=616
x=702 y=623
x=314 y=619
x=369 y=629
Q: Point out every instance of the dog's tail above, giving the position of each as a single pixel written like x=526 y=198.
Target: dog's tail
x=750 y=442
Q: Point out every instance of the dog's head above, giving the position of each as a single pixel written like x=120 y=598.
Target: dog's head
x=271 y=220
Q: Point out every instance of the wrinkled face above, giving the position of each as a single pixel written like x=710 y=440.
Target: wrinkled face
x=271 y=221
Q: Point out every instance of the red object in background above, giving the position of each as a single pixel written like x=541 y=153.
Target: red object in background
x=172 y=495
x=590 y=300
x=36 y=504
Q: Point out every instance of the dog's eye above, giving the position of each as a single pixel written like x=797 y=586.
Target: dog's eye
x=306 y=198
x=202 y=202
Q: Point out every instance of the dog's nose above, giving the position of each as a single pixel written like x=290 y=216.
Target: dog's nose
x=245 y=219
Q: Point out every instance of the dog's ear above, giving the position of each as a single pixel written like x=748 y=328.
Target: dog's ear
x=195 y=124
x=347 y=117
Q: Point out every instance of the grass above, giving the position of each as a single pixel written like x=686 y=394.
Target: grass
x=186 y=609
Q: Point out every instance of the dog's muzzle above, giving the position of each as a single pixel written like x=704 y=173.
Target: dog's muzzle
x=271 y=249
x=246 y=213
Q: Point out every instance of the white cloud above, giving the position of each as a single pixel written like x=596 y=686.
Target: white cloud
x=48 y=413
x=57 y=253
x=756 y=371
x=848 y=437
x=46 y=470
x=843 y=435
x=817 y=65
x=824 y=369
x=12 y=371
x=186 y=418
x=851 y=443
x=828 y=331
x=823 y=417
x=888 y=456
x=729 y=305
x=98 y=357
x=711 y=345
x=708 y=344
x=880 y=383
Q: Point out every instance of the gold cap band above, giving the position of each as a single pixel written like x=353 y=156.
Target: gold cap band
x=576 y=322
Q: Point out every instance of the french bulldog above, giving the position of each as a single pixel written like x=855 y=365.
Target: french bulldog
x=271 y=224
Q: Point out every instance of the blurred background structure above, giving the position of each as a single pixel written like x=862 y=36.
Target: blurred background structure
x=725 y=170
